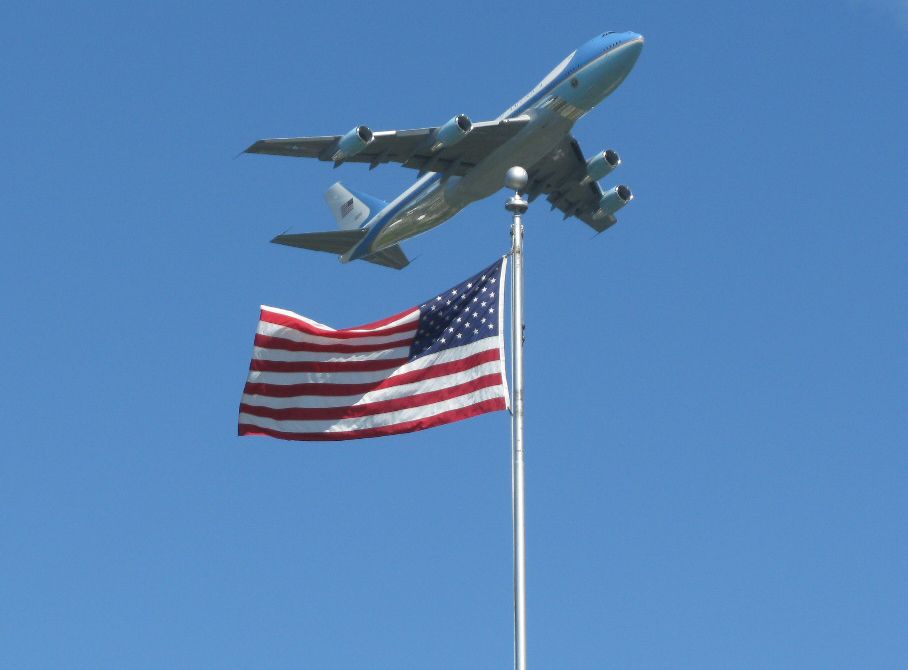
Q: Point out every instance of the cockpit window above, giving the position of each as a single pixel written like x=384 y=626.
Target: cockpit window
x=610 y=32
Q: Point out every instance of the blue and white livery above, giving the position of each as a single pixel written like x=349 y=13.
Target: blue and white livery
x=461 y=161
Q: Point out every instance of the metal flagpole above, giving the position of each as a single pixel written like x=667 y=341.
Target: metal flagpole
x=516 y=179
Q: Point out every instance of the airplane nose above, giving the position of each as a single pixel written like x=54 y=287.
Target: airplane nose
x=630 y=50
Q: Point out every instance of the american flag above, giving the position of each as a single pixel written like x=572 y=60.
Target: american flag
x=437 y=363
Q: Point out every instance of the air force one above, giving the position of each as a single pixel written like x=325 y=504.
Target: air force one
x=462 y=161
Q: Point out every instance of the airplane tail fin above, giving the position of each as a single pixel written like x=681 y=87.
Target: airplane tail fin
x=351 y=209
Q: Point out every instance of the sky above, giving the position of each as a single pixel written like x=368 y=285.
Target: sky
x=717 y=387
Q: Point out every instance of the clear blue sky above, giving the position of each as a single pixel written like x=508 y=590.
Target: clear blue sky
x=717 y=387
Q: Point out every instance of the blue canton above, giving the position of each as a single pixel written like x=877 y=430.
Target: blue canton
x=461 y=315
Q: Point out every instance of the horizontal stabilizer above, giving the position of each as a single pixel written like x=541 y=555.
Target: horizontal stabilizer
x=390 y=257
x=335 y=241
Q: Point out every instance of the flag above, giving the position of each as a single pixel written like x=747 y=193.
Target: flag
x=437 y=363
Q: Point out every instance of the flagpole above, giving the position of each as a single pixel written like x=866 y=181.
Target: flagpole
x=516 y=179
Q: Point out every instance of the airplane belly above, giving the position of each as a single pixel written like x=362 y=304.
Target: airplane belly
x=430 y=211
x=526 y=149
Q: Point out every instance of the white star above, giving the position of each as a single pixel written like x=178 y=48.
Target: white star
x=470 y=285
x=438 y=298
x=475 y=314
x=432 y=308
x=442 y=340
x=459 y=319
x=483 y=320
x=453 y=291
x=483 y=303
x=448 y=302
x=475 y=299
x=467 y=324
x=484 y=289
x=491 y=325
x=475 y=332
x=491 y=310
x=450 y=330
x=483 y=278
x=459 y=336
x=493 y=280
x=492 y=295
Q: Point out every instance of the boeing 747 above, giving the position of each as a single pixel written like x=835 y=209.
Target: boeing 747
x=461 y=161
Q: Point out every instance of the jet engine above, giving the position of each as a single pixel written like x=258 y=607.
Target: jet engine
x=452 y=132
x=352 y=143
x=601 y=165
x=613 y=200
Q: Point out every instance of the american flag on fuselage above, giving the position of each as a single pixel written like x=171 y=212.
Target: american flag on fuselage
x=437 y=363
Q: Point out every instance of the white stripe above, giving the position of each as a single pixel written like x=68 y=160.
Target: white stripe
x=406 y=318
x=267 y=354
x=446 y=356
x=375 y=420
x=274 y=330
x=390 y=393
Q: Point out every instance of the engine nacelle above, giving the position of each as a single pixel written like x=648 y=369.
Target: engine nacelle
x=601 y=165
x=352 y=143
x=452 y=132
x=613 y=200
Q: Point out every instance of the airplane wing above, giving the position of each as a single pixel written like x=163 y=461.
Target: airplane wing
x=558 y=176
x=410 y=148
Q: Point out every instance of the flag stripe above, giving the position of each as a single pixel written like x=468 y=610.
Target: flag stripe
x=276 y=330
x=303 y=327
x=289 y=384
x=368 y=409
x=259 y=365
x=422 y=423
x=284 y=344
x=400 y=317
x=373 y=420
x=375 y=394
x=267 y=354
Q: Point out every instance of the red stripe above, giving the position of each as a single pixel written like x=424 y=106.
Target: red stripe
x=438 y=370
x=326 y=366
x=269 y=342
x=450 y=416
x=370 y=408
x=309 y=329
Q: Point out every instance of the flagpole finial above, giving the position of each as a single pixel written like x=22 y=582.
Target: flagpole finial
x=516 y=179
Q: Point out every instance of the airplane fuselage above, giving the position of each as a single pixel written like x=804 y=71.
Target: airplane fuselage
x=572 y=89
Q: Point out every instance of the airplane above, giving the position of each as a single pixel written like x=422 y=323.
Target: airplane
x=462 y=161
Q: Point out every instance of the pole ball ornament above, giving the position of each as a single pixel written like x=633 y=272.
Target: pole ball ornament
x=516 y=178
